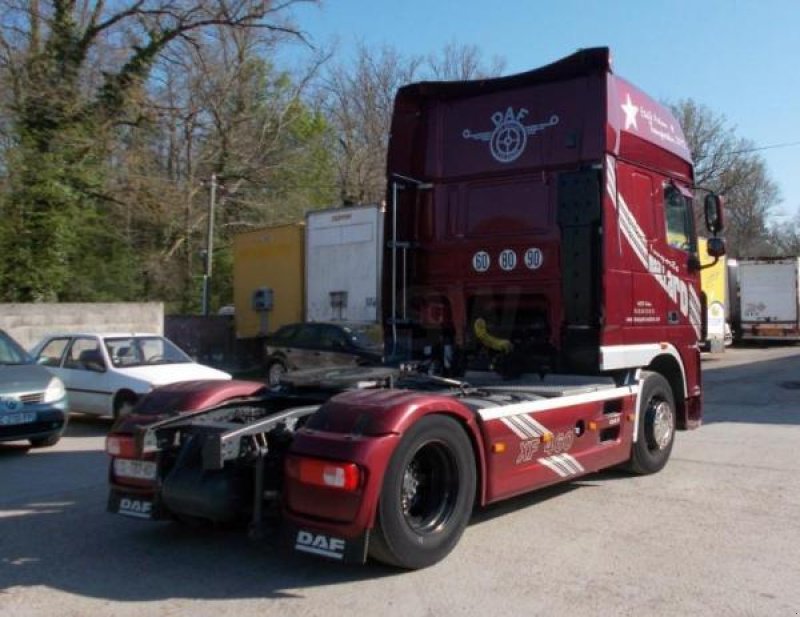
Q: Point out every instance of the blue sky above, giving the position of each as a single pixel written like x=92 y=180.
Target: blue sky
x=741 y=59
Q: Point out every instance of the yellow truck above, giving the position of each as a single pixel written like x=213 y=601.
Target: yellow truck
x=714 y=284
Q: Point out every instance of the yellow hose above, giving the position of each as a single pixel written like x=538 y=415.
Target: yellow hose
x=492 y=342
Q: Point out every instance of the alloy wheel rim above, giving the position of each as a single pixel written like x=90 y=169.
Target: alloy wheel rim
x=663 y=421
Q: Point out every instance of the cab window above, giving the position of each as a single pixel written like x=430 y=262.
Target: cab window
x=679 y=219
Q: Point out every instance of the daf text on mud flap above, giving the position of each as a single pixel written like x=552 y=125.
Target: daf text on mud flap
x=319 y=544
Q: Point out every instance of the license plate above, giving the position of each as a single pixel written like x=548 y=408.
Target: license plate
x=10 y=419
x=139 y=470
x=130 y=505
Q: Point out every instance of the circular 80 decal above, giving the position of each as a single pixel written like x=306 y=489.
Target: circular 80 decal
x=508 y=260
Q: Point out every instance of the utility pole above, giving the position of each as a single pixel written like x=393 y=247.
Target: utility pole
x=209 y=247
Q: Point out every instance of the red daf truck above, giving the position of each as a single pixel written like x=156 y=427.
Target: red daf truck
x=542 y=312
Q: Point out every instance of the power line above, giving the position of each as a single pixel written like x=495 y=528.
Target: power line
x=787 y=144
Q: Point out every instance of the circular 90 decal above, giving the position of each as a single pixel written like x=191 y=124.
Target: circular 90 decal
x=508 y=260
x=533 y=258
x=481 y=261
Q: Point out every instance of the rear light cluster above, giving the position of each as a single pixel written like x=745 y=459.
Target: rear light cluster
x=121 y=445
x=330 y=474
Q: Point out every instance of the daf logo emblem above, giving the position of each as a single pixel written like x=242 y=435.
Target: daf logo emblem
x=508 y=139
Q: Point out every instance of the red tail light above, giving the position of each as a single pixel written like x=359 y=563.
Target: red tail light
x=121 y=445
x=330 y=474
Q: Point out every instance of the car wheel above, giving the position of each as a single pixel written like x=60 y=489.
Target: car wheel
x=44 y=442
x=123 y=403
x=657 y=420
x=427 y=495
x=275 y=371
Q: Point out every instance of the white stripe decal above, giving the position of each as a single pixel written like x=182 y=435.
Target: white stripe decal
x=575 y=462
x=532 y=425
x=513 y=427
x=570 y=462
x=505 y=411
x=563 y=464
x=568 y=471
x=540 y=428
x=524 y=427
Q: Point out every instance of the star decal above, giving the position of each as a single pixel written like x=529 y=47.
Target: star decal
x=631 y=111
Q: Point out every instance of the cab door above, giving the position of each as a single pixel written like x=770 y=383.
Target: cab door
x=682 y=271
x=84 y=372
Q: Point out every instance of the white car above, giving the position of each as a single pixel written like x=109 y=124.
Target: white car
x=105 y=374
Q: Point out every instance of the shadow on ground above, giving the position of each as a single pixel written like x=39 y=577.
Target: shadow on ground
x=68 y=542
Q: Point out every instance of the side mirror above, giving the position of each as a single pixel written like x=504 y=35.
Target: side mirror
x=715 y=247
x=713 y=208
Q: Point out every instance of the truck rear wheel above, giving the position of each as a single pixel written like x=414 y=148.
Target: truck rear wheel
x=656 y=432
x=427 y=495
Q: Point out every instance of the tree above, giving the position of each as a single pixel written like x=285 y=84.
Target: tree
x=728 y=164
x=67 y=99
x=462 y=62
x=358 y=99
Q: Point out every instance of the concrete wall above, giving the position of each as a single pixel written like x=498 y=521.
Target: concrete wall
x=28 y=323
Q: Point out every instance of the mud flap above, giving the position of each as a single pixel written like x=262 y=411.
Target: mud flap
x=135 y=505
x=324 y=544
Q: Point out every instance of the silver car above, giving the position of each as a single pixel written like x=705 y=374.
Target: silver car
x=33 y=401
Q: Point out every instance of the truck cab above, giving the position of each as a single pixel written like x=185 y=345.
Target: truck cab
x=552 y=209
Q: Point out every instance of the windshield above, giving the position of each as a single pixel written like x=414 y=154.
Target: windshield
x=366 y=337
x=11 y=352
x=144 y=351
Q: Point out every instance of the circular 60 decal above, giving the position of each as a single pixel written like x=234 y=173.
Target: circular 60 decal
x=533 y=258
x=508 y=260
x=481 y=261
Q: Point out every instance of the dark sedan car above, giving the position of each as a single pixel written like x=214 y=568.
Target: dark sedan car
x=320 y=345
x=33 y=401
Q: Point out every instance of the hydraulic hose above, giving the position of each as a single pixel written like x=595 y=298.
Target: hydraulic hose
x=492 y=342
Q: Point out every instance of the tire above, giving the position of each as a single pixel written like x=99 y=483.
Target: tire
x=275 y=371
x=427 y=495
x=123 y=403
x=44 y=442
x=657 y=420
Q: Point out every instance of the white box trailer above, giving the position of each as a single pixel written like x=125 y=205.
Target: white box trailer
x=343 y=264
x=769 y=298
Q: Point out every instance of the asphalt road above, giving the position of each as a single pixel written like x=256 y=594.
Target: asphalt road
x=716 y=533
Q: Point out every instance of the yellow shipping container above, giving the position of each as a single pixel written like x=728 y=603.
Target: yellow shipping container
x=268 y=258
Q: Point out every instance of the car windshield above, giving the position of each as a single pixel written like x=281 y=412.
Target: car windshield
x=11 y=352
x=144 y=351
x=366 y=337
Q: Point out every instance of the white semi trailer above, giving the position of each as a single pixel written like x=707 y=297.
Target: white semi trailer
x=768 y=298
x=343 y=264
